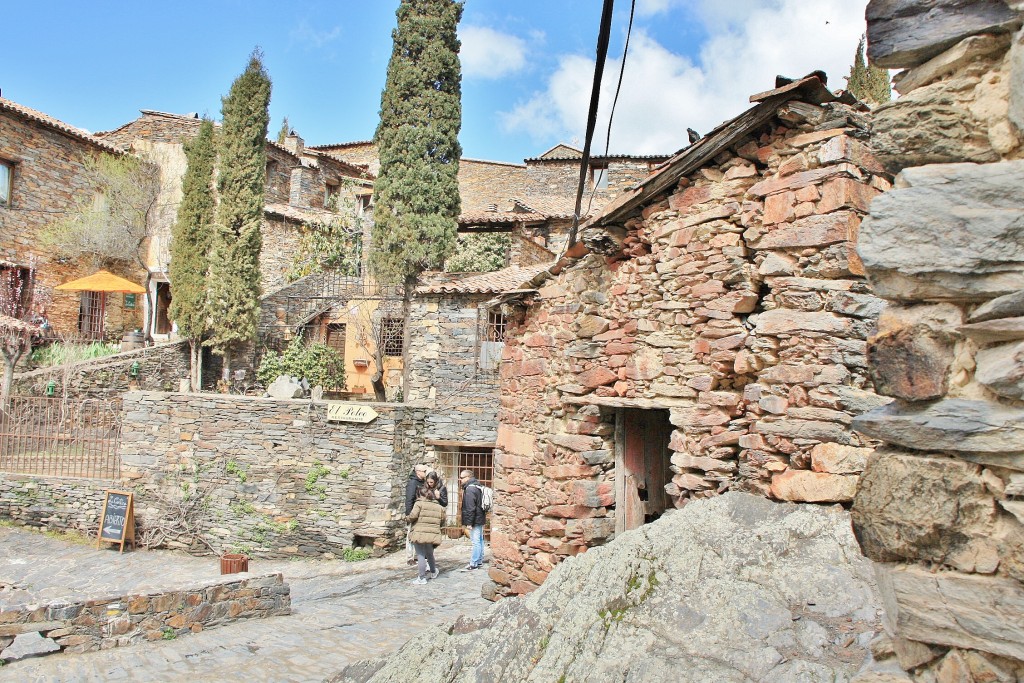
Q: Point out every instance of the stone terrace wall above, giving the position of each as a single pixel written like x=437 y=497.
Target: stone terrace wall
x=102 y=623
x=941 y=507
x=268 y=477
x=740 y=308
x=160 y=369
x=443 y=354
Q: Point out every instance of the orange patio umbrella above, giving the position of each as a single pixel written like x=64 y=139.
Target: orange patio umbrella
x=102 y=281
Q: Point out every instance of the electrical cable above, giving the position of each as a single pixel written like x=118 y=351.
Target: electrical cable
x=595 y=96
x=615 y=100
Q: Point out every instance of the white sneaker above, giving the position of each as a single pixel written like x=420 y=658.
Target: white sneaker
x=434 y=574
x=419 y=581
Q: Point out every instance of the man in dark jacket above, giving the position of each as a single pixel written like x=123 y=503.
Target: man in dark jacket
x=473 y=516
x=416 y=477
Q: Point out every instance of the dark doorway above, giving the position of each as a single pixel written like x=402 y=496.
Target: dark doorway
x=163 y=301
x=91 y=314
x=642 y=466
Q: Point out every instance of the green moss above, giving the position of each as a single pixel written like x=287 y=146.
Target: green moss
x=233 y=467
x=356 y=554
x=313 y=484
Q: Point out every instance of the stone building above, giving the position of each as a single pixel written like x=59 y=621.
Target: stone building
x=303 y=185
x=42 y=178
x=708 y=333
x=940 y=507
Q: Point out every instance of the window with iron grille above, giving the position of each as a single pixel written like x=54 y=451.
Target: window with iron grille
x=391 y=337
x=490 y=339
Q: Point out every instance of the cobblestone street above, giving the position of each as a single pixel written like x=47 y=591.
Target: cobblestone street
x=341 y=612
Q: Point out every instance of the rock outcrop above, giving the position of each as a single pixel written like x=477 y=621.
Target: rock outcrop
x=734 y=588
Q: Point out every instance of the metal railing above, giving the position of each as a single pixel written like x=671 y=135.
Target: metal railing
x=58 y=437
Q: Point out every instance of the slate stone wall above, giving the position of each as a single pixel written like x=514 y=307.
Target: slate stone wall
x=444 y=370
x=115 y=621
x=266 y=477
x=940 y=508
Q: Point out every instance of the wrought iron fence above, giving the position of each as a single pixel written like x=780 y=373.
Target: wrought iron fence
x=59 y=437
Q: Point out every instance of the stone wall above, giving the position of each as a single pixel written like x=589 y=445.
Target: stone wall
x=115 y=621
x=160 y=369
x=940 y=507
x=737 y=306
x=267 y=477
x=443 y=350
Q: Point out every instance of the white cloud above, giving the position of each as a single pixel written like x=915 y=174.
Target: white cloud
x=663 y=93
x=487 y=53
x=311 y=37
x=646 y=8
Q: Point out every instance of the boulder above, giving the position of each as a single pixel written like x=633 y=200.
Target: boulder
x=947 y=425
x=735 y=588
x=949 y=231
x=905 y=33
x=285 y=387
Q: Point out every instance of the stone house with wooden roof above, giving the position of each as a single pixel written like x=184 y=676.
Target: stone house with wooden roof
x=708 y=332
x=42 y=178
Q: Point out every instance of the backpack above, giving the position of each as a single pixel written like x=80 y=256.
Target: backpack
x=486 y=497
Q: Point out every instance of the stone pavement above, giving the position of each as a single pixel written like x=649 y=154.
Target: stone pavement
x=341 y=612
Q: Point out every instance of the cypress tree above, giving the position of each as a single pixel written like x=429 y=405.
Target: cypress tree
x=416 y=194
x=234 y=280
x=868 y=83
x=190 y=245
x=282 y=133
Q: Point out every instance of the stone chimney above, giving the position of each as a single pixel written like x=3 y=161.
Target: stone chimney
x=293 y=143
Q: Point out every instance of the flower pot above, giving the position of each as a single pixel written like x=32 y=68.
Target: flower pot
x=233 y=563
x=454 y=532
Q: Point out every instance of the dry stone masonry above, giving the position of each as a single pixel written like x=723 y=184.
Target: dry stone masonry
x=722 y=302
x=940 y=507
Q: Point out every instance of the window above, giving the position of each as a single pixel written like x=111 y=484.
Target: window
x=336 y=337
x=363 y=203
x=493 y=327
x=90 y=315
x=599 y=177
x=6 y=174
x=391 y=337
x=332 y=194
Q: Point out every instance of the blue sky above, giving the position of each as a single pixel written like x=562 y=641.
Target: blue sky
x=527 y=64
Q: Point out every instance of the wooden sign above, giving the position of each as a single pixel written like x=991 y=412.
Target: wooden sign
x=340 y=411
x=117 y=520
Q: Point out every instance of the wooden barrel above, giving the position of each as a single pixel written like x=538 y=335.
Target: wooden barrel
x=233 y=563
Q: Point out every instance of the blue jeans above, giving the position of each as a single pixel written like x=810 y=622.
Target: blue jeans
x=476 y=535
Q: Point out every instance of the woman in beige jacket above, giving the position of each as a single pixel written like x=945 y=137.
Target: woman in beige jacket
x=426 y=517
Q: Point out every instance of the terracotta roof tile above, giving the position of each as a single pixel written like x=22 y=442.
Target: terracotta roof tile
x=49 y=121
x=500 y=217
x=478 y=283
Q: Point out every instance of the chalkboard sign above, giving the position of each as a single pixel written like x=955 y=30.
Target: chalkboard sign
x=117 y=521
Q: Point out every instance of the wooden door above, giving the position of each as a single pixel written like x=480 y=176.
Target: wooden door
x=642 y=466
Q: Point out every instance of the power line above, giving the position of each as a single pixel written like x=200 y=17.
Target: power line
x=615 y=101
x=595 y=96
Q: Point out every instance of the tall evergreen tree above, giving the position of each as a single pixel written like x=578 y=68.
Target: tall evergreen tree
x=282 y=133
x=234 y=279
x=868 y=83
x=190 y=245
x=417 y=192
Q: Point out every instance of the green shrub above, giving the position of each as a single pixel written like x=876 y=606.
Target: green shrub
x=61 y=354
x=356 y=554
x=318 y=363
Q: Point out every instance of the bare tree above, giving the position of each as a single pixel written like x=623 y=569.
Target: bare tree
x=19 y=322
